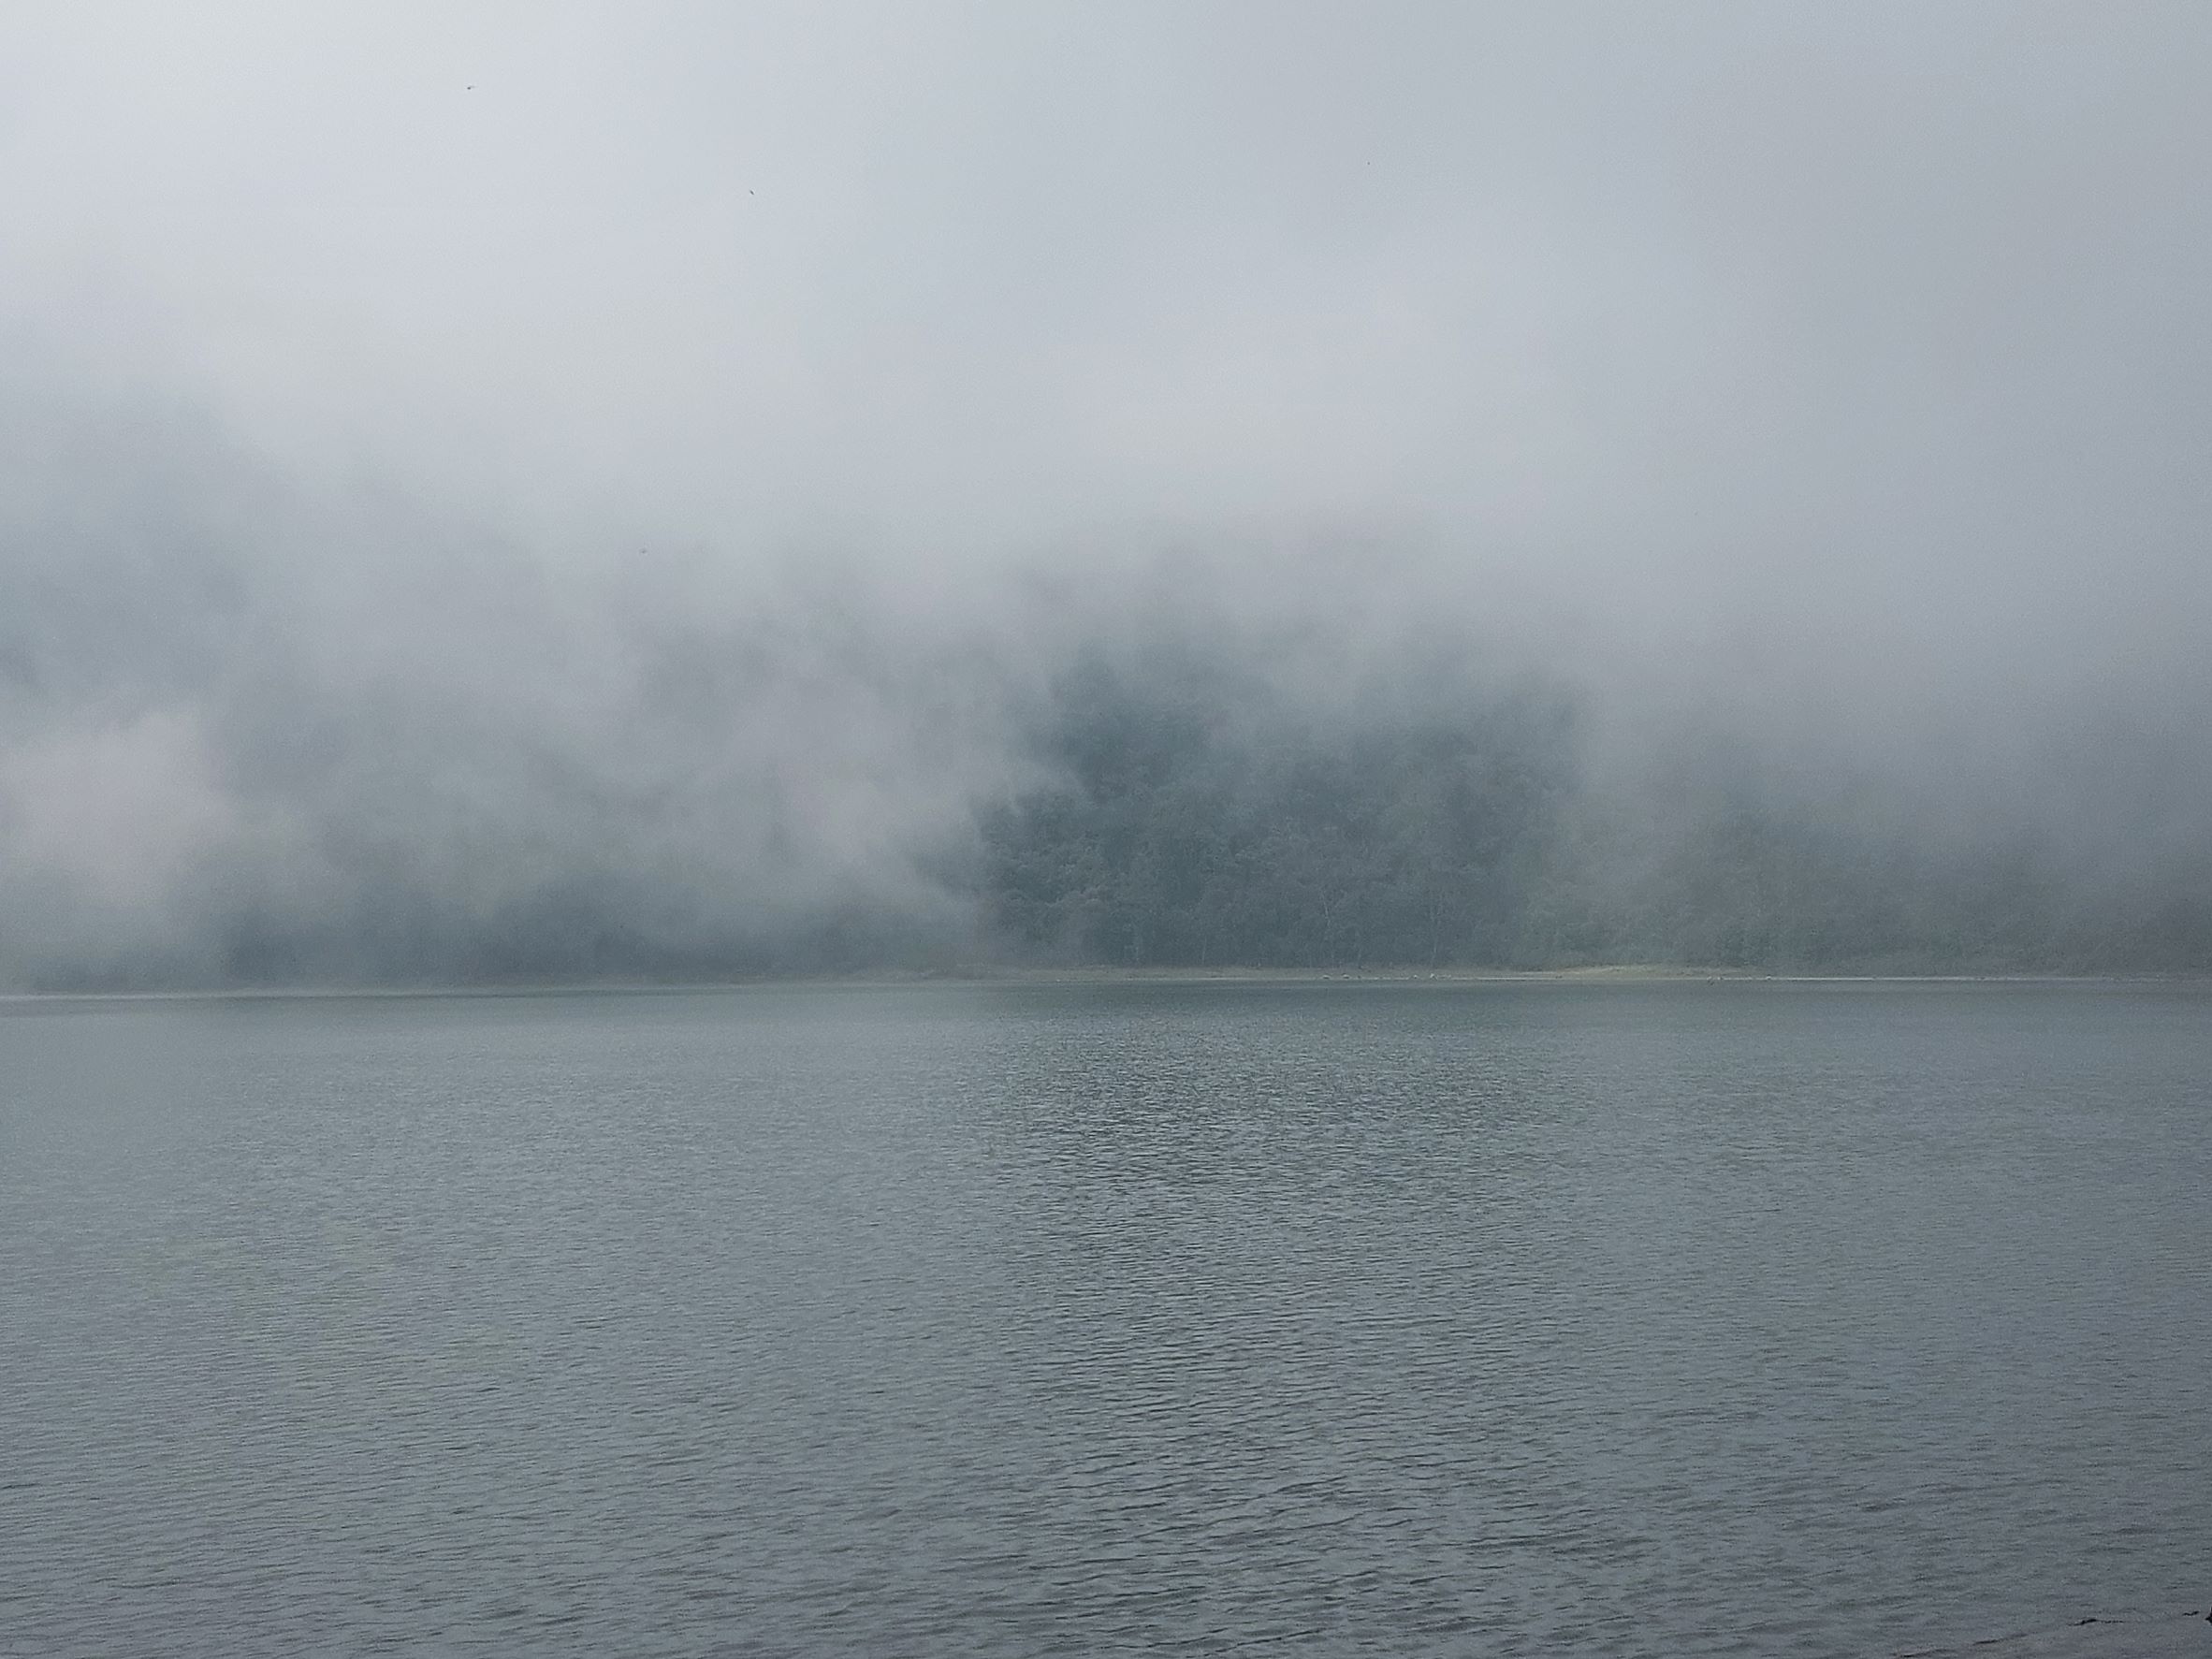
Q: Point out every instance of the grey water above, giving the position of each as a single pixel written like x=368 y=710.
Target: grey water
x=1270 y=1318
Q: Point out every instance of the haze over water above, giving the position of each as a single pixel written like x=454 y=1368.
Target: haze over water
x=549 y=495
x=1269 y=1317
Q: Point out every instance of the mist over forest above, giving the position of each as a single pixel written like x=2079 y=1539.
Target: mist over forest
x=523 y=497
x=228 y=771
x=1194 y=820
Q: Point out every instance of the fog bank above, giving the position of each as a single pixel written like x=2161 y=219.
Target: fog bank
x=549 y=493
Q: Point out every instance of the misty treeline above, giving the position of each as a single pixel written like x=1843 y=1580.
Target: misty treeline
x=249 y=738
x=1194 y=819
x=1190 y=819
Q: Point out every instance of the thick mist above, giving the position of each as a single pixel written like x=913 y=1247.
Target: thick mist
x=543 y=494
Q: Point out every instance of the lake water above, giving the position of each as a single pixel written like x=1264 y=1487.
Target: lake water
x=1288 y=1318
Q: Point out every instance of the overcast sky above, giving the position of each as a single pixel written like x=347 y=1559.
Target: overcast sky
x=1900 y=282
x=1861 y=350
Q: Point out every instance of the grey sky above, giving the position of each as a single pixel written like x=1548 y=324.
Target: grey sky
x=1857 y=355
x=1540 y=273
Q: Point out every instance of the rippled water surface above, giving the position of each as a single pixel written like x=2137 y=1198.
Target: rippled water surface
x=1281 y=1318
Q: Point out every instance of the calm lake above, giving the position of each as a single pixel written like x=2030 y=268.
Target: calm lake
x=1281 y=1318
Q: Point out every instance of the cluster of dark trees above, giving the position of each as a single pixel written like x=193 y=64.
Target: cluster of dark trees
x=1194 y=820
x=1191 y=816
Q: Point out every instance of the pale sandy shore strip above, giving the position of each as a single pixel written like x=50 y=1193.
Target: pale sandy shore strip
x=984 y=975
x=1610 y=973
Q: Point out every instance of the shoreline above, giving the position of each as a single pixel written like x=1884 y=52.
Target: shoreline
x=987 y=976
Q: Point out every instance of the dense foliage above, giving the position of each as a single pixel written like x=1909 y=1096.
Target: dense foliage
x=1192 y=822
x=1191 y=816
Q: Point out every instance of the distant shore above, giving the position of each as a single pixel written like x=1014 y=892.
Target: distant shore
x=983 y=976
x=1619 y=973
